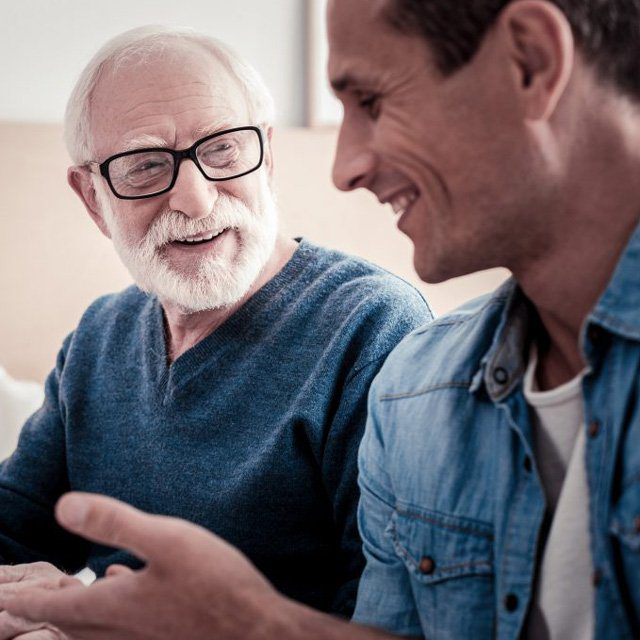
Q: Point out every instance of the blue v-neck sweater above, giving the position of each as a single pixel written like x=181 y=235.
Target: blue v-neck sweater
x=252 y=433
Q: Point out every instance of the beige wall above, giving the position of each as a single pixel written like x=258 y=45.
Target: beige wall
x=54 y=262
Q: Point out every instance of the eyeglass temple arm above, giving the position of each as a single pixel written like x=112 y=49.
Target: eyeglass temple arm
x=92 y=166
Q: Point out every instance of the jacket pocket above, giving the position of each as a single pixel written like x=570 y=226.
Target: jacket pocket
x=450 y=563
x=437 y=547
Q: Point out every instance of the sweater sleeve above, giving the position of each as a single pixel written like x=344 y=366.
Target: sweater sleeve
x=340 y=473
x=339 y=466
x=31 y=481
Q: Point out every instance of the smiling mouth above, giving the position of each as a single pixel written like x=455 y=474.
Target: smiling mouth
x=403 y=201
x=201 y=238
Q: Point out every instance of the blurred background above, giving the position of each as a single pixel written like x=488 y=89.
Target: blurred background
x=54 y=262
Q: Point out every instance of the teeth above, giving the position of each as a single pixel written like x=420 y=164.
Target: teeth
x=403 y=201
x=206 y=238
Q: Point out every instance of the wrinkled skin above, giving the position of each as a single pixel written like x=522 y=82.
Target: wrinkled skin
x=17 y=578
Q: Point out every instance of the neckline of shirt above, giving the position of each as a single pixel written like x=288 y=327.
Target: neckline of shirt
x=563 y=394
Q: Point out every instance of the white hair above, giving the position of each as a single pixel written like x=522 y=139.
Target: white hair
x=139 y=45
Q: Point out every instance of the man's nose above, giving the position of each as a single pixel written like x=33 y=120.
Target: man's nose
x=354 y=163
x=192 y=194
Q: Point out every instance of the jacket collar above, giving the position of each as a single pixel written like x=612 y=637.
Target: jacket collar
x=618 y=309
x=504 y=364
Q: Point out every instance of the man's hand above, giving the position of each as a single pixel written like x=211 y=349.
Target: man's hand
x=194 y=585
x=17 y=578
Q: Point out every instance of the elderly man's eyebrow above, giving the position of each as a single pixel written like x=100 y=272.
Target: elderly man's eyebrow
x=211 y=128
x=147 y=140
x=144 y=141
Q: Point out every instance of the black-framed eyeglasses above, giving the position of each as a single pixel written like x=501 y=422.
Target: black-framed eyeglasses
x=143 y=173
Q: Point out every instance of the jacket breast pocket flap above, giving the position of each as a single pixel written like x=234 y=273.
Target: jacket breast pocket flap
x=436 y=547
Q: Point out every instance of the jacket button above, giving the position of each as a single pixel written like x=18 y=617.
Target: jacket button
x=528 y=465
x=594 y=429
x=427 y=565
x=596 y=578
x=511 y=602
x=500 y=375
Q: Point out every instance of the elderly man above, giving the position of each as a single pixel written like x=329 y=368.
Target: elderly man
x=233 y=392
x=500 y=467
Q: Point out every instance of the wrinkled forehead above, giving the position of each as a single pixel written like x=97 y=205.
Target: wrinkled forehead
x=172 y=94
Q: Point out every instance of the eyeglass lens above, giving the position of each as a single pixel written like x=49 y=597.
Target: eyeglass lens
x=221 y=157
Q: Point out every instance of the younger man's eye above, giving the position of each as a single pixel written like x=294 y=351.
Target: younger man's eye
x=371 y=104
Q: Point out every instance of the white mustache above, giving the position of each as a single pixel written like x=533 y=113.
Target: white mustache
x=173 y=225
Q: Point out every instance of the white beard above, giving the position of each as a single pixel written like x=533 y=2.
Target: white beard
x=217 y=282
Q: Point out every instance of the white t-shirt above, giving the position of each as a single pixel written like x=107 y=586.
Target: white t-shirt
x=563 y=603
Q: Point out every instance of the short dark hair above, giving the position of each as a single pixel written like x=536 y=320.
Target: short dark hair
x=606 y=31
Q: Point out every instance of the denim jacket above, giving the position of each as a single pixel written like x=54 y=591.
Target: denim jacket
x=453 y=513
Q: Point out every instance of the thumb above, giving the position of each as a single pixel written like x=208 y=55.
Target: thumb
x=118 y=570
x=116 y=524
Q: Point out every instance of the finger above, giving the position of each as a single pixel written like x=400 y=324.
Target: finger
x=69 y=581
x=11 y=588
x=12 y=626
x=60 y=608
x=28 y=571
x=118 y=570
x=114 y=523
x=117 y=524
x=12 y=573
x=73 y=610
x=42 y=634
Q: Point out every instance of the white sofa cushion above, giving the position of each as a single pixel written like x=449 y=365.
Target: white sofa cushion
x=18 y=400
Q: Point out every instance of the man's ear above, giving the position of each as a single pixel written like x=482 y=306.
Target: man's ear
x=81 y=181
x=268 y=153
x=541 y=47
